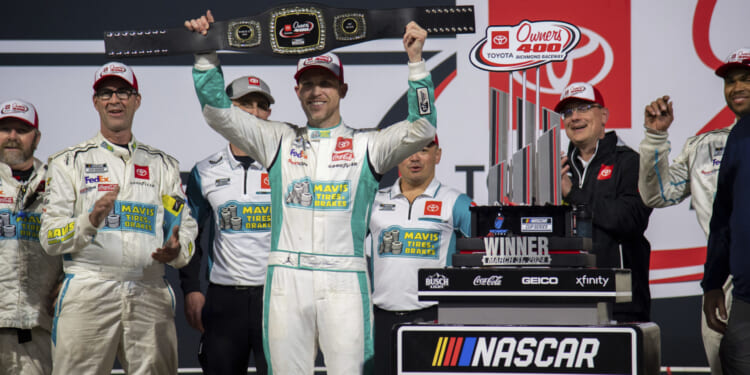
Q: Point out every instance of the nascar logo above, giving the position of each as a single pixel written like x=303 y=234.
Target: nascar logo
x=556 y=352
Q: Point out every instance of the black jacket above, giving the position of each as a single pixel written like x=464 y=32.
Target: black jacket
x=610 y=193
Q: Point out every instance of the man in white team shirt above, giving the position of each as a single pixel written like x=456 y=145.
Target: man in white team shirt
x=230 y=197
x=414 y=224
x=695 y=170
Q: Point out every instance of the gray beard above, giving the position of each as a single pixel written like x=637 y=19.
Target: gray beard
x=13 y=158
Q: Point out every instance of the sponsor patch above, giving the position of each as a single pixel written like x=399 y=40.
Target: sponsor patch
x=387 y=207
x=222 y=181
x=433 y=208
x=96 y=168
x=343 y=144
x=265 y=182
x=605 y=172
x=106 y=187
x=423 y=100
x=141 y=172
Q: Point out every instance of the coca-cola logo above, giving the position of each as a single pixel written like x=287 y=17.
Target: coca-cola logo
x=347 y=156
x=494 y=280
x=114 y=69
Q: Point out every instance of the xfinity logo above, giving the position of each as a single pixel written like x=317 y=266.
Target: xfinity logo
x=494 y=280
x=436 y=281
x=540 y=280
x=596 y=281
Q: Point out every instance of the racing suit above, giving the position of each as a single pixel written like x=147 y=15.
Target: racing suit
x=406 y=236
x=608 y=186
x=693 y=173
x=27 y=276
x=323 y=182
x=232 y=204
x=115 y=299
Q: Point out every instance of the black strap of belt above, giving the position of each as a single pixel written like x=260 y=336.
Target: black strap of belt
x=296 y=30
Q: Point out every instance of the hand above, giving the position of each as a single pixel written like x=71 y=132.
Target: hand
x=200 y=25
x=659 y=114
x=171 y=249
x=414 y=37
x=713 y=300
x=194 y=302
x=565 y=183
x=103 y=207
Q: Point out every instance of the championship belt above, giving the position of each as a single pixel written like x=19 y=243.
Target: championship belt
x=296 y=30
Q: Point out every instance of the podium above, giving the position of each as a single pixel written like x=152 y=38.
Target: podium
x=513 y=320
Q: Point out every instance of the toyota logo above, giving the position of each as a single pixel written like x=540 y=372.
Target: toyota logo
x=500 y=39
x=433 y=208
x=140 y=172
x=265 y=181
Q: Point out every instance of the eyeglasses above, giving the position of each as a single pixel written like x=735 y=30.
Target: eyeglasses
x=122 y=94
x=583 y=108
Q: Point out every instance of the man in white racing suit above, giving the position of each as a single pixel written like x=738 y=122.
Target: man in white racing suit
x=116 y=211
x=27 y=274
x=694 y=171
x=414 y=224
x=323 y=179
x=230 y=197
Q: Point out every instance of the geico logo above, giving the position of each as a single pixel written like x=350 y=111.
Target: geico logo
x=540 y=280
x=569 y=352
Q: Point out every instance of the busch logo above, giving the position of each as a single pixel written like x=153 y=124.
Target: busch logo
x=527 y=45
x=590 y=280
x=436 y=281
x=494 y=280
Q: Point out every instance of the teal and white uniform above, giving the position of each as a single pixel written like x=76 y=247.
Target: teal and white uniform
x=323 y=182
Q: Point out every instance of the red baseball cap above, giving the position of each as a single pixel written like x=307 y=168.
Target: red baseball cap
x=580 y=91
x=328 y=61
x=115 y=69
x=21 y=110
x=738 y=58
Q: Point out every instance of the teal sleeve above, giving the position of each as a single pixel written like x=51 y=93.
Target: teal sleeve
x=421 y=99
x=199 y=206
x=462 y=215
x=209 y=86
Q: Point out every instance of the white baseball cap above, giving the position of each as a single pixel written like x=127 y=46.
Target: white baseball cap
x=579 y=91
x=328 y=61
x=21 y=110
x=116 y=69
x=738 y=58
x=246 y=85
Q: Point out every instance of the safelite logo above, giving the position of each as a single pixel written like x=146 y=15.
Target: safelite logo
x=523 y=46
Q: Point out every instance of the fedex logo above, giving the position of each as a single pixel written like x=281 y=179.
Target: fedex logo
x=93 y=180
